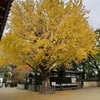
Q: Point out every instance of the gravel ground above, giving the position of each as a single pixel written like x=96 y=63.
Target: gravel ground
x=78 y=94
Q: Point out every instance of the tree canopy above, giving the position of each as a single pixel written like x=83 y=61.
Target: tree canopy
x=20 y=73
x=46 y=33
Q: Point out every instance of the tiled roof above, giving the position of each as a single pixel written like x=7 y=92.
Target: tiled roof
x=4 y=11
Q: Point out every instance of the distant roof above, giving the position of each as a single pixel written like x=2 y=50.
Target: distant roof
x=71 y=71
x=4 y=11
x=74 y=72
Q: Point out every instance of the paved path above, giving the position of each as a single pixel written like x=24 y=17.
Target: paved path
x=79 y=94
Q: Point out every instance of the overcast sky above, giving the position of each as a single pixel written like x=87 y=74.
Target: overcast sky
x=94 y=15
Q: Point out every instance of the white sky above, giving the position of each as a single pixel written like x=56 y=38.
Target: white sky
x=94 y=15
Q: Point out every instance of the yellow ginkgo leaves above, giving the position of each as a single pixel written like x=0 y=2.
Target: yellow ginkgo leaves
x=47 y=33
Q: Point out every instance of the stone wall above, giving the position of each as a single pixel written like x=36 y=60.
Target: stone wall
x=91 y=84
x=20 y=86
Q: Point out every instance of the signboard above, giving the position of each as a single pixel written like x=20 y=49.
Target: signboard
x=1 y=82
x=53 y=83
x=73 y=80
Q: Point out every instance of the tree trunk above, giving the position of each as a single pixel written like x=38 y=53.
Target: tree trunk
x=46 y=88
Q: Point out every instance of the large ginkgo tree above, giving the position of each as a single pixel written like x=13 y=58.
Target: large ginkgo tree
x=44 y=34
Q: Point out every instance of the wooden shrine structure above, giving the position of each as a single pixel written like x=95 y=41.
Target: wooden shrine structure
x=4 y=11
